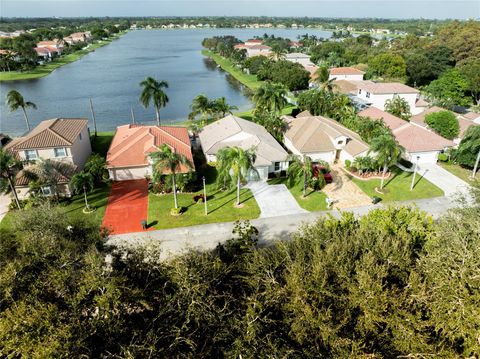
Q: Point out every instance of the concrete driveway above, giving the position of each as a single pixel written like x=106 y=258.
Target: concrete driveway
x=274 y=200
x=447 y=182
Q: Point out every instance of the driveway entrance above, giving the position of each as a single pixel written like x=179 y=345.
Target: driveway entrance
x=446 y=181
x=127 y=206
x=344 y=192
x=274 y=200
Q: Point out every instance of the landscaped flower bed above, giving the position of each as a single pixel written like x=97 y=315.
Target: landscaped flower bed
x=366 y=175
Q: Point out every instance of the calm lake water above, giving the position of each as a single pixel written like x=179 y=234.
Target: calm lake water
x=111 y=77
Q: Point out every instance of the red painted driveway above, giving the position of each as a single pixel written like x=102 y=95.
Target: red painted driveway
x=127 y=206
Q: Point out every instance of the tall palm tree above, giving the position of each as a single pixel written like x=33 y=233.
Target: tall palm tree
x=9 y=167
x=270 y=97
x=235 y=163
x=153 y=91
x=387 y=151
x=168 y=161
x=322 y=79
x=49 y=173
x=300 y=170
x=83 y=181
x=221 y=106
x=201 y=105
x=15 y=101
x=278 y=52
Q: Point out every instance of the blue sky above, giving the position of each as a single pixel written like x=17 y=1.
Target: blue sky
x=314 y=8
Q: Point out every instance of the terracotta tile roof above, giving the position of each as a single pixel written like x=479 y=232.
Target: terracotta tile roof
x=22 y=180
x=234 y=131
x=259 y=47
x=464 y=125
x=345 y=71
x=471 y=115
x=256 y=41
x=309 y=134
x=419 y=118
x=393 y=122
x=132 y=144
x=418 y=139
x=386 y=87
x=421 y=103
x=7 y=52
x=349 y=86
x=58 y=132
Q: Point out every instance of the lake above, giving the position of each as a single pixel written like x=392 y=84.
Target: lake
x=111 y=77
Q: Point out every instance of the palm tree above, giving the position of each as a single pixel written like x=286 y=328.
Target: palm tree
x=15 y=101
x=278 y=52
x=49 y=173
x=387 y=151
x=9 y=167
x=83 y=181
x=221 y=106
x=235 y=163
x=270 y=97
x=201 y=105
x=322 y=79
x=300 y=169
x=168 y=161
x=153 y=91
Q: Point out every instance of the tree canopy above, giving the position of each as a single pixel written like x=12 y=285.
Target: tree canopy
x=444 y=123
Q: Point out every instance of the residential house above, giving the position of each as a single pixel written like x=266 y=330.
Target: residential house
x=128 y=155
x=59 y=139
x=52 y=45
x=463 y=122
x=233 y=131
x=377 y=94
x=420 y=144
x=322 y=138
x=346 y=73
x=302 y=59
x=253 y=42
x=254 y=48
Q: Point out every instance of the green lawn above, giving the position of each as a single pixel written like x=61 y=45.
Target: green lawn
x=314 y=201
x=101 y=143
x=248 y=80
x=44 y=70
x=460 y=172
x=398 y=187
x=248 y=115
x=220 y=206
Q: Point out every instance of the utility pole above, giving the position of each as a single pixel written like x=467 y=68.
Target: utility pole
x=133 y=115
x=414 y=173
x=474 y=173
x=205 y=196
x=93 y=116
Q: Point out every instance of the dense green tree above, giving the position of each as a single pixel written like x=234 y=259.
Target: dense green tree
x=471 y=71
x=15 y=101
x=97 y=167
x=444 y=123
x=449 y=89
x=10 y=166
x=325 y=50
x=255 y=63
x=462 y=38
x=290 y=74
x=270 y=97
x=153 y=91
x=272 y=122
x=387 y=65
x=399 y=107
x=469 y=147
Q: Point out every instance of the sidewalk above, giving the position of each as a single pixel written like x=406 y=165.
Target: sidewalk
x=206 y=237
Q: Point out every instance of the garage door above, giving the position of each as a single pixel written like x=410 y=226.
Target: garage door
x=424 y=157
x=262 y=174
x=126 y=174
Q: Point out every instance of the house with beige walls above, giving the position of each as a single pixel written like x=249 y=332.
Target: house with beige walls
x=60 y=139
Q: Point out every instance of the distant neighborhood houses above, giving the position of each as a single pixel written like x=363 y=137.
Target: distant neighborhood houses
x=47 y=50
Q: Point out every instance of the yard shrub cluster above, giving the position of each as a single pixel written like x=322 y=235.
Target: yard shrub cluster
x=380 y=285
x=444 y=123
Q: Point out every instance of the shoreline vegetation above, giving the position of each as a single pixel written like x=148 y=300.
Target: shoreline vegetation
x=44 y=70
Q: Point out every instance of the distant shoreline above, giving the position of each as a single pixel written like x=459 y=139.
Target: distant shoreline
x=44 y=70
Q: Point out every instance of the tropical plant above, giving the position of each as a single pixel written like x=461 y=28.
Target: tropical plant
x=9 y=167
x=167 y=161
x=221 y=107
x=235 y=164
x=449 y=89
x=387 y=152
x=322 y=76
x=270 y=97
x=469 y=147
x=278 y=52
x=83 y=182
x=300 y=170
x=153 y=92
x=49 y=173
x=399 y=107
x=201 y=105
x=273 y=123
x=97 y=167
x=365 y=163
x=15 y=101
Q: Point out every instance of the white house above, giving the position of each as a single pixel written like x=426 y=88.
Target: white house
x=59 y=139
x=302 y=59
x=128 y=155
x=377 y=94
x=322 y=138
x=346 y=73
x=233 y=131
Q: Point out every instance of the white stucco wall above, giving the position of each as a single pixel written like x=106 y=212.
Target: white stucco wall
x=378 y=100
x=129 y=173
x=346 y=77
x=425 y=157
x=64 y=190
x=302 y=61
x=344 y=155
x=81 y=149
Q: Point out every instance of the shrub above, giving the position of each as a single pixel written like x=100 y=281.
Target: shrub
x=348 y=163
x=443 y=157
x=444 y=123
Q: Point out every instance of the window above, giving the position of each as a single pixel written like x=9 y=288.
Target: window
x=47 y=191
x=60 y=152
x=359 y=91
x=80 y=137
x=340 y=142
x=277 y=166
x=368 y=94
x=31 y=155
